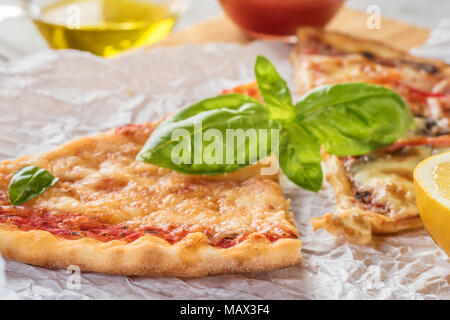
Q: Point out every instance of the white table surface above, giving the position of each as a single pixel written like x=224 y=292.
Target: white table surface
x=18 y=36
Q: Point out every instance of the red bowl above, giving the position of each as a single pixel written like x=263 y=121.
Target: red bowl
x=279 y=18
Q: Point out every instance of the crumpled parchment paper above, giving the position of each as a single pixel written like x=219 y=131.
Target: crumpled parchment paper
x=51 y=97
x=438 y=44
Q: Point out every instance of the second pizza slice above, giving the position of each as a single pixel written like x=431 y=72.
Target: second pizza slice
x=375 y=192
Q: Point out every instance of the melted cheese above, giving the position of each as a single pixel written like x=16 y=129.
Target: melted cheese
x=389 y=179
x=100 y=178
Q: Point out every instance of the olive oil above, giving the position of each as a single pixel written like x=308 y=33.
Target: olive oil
x=104 y=27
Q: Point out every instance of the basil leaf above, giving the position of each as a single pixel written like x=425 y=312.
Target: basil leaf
x=273 y=88
x=300 y=157
x=28 y=183
x=179 y=142
x=353 y=118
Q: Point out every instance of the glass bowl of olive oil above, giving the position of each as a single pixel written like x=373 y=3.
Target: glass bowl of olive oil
x=104 y=27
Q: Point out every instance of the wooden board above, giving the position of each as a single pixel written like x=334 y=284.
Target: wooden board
x=221 y=29
x=395 y=33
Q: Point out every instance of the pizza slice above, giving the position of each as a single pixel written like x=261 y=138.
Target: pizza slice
x=375 y=192
x=109 y=213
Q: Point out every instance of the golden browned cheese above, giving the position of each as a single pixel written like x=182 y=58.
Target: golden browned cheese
x=99 y=177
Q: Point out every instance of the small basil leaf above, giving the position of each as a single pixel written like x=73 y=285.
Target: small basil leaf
x=353 y=118
x=273 y=88
x=196 y=142
x=29 y=182
x=300 y=157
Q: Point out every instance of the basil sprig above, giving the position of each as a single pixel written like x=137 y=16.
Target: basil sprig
x=29 y=182
x=346 y=119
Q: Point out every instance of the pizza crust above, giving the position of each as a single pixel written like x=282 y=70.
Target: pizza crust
x=149 y=255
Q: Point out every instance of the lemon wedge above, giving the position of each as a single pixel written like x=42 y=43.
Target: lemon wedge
x=432 y=182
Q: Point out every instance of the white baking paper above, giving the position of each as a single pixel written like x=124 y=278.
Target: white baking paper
x=51 y=97
x=438 y=44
